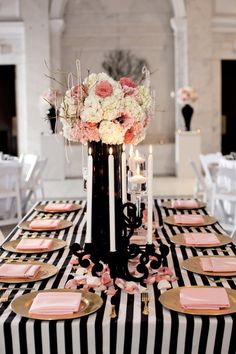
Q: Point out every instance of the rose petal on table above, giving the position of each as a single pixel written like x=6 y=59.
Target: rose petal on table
x=163 y=284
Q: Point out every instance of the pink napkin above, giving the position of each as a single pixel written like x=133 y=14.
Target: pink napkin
x=181 y=204
x=44 y=224
x=55 y=303
x=138 y=239
x=188 y=219
x=218 y=264
x=34 y=244
x=19 y=270
x=201 y=238
x=204 y=298
x=58 y=207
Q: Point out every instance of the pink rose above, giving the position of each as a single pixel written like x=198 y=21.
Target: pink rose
x=104 y=89
x=129 y=135
x=126 y=81
x=77 y=92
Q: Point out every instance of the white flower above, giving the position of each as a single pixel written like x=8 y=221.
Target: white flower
x=91 y=115
x=133 y=109
x=111 y=133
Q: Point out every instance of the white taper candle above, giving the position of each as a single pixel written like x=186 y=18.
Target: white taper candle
x=150 y=201
x=89 y=197
x=111 y=202
x=123 y=174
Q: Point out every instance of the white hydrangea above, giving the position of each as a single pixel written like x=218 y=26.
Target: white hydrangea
x=143 y=97
x=66 y=128
x=111 y=133
x=132 y=107
x=91 y=115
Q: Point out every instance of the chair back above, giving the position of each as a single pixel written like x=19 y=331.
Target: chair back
x=209 y=163
x=28 y=162
x=10 y=207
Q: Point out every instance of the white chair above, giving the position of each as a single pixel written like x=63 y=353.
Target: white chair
x=209 y=163
x=10 y=194
x=202 y=189
x=34 y=183
x=28 y=163
x=224 y=197
x=233 y=235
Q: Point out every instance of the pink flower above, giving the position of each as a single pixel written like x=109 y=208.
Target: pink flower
x=126 y=121
x=71 y=284
x=83 y=132
x=129 y=135
x=106 y=279
x=111 y=291
x=126 y=81
x=77 y=92
x=104 y=89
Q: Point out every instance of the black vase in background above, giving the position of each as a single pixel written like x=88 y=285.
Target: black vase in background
x=187 y=112
x=51 y=113
x=100 y=198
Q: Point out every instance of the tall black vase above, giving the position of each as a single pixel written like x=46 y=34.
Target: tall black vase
x=187 y=112
x=100 y=198
x=51 y=113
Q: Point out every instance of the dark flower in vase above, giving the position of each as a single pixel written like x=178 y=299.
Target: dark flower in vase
x=185 y=96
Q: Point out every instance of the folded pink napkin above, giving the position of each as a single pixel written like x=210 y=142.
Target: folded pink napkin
x=58 y=207
x=55 y=303
x=44 y=224
x=204 y=298
x=181 y=204
x=138 y=239
x=218 y=264
x=34 y=244
x=188 y=219
x=201 y=238
x=19 y=270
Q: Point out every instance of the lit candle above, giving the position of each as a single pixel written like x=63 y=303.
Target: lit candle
x=123 y=172
x=89 y=196
x=131 y=159
x=138 y=158
x=137 y=178
x=111 y=201
x=150 y=201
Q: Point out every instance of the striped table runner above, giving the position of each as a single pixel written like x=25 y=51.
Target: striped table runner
x=163 y=331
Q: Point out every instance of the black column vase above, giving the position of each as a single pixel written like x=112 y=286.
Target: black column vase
x=100 y=198
x=187 y=112
x=51 y=113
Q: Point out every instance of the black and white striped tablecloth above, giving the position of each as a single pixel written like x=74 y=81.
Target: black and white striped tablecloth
x=163 y=331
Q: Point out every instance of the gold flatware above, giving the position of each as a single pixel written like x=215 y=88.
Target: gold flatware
x=220 y=280
x=4 y=299
x=113 y=311
x=145 y=300
x=11 y=288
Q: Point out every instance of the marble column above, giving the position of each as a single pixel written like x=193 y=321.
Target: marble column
x=179 y=26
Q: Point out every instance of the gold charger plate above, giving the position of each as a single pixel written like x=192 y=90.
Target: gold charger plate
x=90 y=302
x=10 y=246
x=207 y=220
x=179 y=240
x=193 y=265
x=170 y=300
x=167 y=205
x=41 y=207
x=64 y=224
x=46 y=271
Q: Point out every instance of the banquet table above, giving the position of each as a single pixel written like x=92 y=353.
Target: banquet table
x=162 y=331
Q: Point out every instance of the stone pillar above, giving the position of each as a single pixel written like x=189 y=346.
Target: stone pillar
x=37 y=52
x=179 y=26
x=56 y=29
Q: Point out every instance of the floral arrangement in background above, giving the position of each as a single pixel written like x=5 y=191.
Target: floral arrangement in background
x=103 y=109
x=186 y=95
x=50 y=99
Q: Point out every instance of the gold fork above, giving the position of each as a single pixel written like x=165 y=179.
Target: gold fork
x=113 y=311
x=145 y=299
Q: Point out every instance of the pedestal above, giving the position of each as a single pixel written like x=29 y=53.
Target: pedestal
x=187 y=147
x=52 y=147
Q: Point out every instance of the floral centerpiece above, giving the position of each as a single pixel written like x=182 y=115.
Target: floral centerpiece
x=106 y=110
x=186 y=96
x=105 y=113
